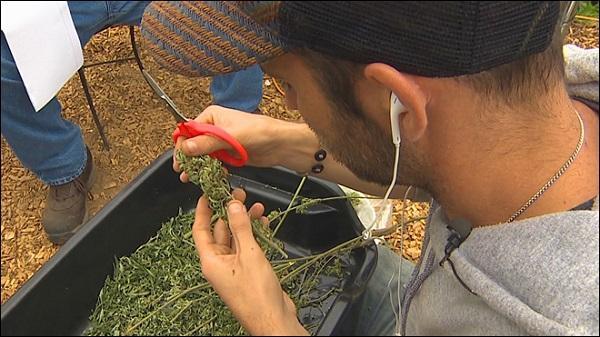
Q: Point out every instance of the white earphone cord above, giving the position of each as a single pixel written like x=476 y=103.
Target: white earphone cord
x=367 y=231
x=402 y=224
x=395 y=104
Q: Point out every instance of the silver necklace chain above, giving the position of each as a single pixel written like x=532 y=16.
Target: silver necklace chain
x=555 y=177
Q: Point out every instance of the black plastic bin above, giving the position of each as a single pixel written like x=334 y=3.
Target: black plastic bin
x=59 y=298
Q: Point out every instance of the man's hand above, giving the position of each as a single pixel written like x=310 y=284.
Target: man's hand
x=236 y=267
x=264 y=138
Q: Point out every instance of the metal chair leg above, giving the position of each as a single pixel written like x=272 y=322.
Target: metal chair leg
x=90 y=101
x=147 y=77
x=136 y=53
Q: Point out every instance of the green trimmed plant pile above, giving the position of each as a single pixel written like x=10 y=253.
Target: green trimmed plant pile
x=160 y=289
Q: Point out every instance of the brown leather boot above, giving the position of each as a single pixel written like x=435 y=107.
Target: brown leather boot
x=66 y=205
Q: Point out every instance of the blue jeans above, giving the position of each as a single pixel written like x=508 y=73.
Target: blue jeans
x=53 y=147
x=241 y=90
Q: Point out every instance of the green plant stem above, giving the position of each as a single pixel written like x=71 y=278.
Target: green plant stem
x=304 y=258
x=302 y=283
x=321 y=298
x=317 y=201
x=282 y=267
x=191 y=333
x=169 y=301
x=316 y=258
x=186 y=307
x=318 y=272
x=290 y=205
x=272 y=244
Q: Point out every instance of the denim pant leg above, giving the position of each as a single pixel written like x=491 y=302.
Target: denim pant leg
x=379 y=305
x=44 y=142
x=241 y=90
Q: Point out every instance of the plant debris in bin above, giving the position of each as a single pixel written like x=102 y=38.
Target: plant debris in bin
x=160 y=289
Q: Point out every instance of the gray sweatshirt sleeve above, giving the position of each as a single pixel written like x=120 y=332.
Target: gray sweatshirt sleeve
x=581 y=71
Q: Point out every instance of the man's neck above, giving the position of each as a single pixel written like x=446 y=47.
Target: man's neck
x=496 y=169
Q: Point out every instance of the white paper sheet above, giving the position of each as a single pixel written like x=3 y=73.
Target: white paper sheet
x=44 y=43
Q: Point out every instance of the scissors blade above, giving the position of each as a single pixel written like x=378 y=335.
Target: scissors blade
x=179 y=117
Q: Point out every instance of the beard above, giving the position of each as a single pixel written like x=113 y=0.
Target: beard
x=365 y=149
x=352 y=138
x=362 y=148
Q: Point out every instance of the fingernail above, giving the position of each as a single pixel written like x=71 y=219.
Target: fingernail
x=235 y=207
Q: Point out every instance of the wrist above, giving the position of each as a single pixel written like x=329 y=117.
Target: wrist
x=297 y=148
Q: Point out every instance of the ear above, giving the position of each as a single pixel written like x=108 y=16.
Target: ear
x=414 y=120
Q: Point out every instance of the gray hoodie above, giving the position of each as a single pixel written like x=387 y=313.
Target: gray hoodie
x=537 y=276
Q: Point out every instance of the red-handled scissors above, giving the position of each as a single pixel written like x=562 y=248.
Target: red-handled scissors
x=192 y=128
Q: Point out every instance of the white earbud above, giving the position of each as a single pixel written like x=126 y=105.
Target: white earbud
x=396 y=107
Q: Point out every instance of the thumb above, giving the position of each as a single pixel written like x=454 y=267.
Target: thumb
x=240 y=226
x=201 y=145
